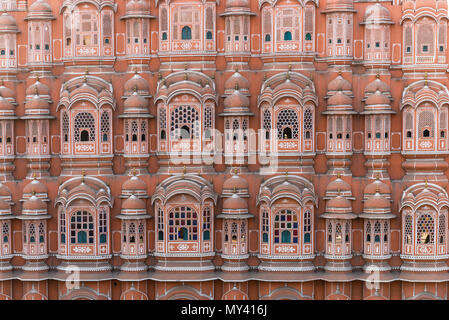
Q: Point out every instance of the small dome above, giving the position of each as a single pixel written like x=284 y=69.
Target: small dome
x=5 y=105
x=134 y=183
x=137 y=83
x=6 y=92
x=235 y=182
x=4 y=191
x=338 y=185
x=375 y=85
x=377 y=186
x=377 y=201
x=5 y=208
x=377 y=13
x=235 y=203
x=38 y=88
x=236 y=80
x=34 y=204
x=35 y=186
x=136 y=101
x=36 y=102
x=236 y=100
x=288 y=85
x=339 y=99
x=7 y=23
x=377 y=98
x=339 y=203
x=237 y=3
x=133 y=203
x=40 y=6
x=137 y=6
x=339 y=84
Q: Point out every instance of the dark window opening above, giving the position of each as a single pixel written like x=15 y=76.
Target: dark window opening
x=308 y=36
x=287 y=35
x=209 y=35
x=164 y=35
x=134 y=137
x=163 y=135
x=409 y=134
x=377 y=135
x=287 y=133
x=267 y=37
x=426 y=133
x=186 y=33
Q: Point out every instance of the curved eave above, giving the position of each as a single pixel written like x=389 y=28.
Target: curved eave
x=245 y=113
x=134 y=116
x=7 y=216
x=34 y=217
x=235 y=216
x=133 y=216
x=9 y=117
x=377 y=215
x=37 y=117
x=376 y=22
x=9 y=31
x=137 y=15
x=39 y=17
x=237 y=13
x=342 y=216
x=378 y=112
x=333 y=112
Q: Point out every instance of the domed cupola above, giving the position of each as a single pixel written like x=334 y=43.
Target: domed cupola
x=339 y=6
x=134 y=186
x=40 y=89
x=136 y=106
x=8 y=24
x=7 y=110
x=235 y=185
x=237 y=7
x=133 y=206
x=236 y=80
x=338 y=187
x=36 y=188
x=235 y=207
x=39 y=10
x=37 y=108
x=139 y=83
x=339 y=208
x=7 y=93
x=137 y=9
x=377 y=14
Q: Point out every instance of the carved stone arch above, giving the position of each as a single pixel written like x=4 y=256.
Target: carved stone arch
x=425 y=296
x=184 y=292
x=285 y=293
x=425 y=91
x=156 y=2
x=89 y=88
x=273 y=3
x=421 y=194
x=234 y=294
x=99 y=4
x=288 y=84
x=84 y=293
x=133 y=294
x=294 y=187
x=34 y=295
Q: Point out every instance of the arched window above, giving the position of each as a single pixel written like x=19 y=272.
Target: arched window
x=267 y=25
x=329 y=232
x=307 y=226
x=265 y=226
x=267 y=123
x=386 y=231
x=338 y=234
x=426 y=124
x=5 y=232
x=287 y=35
x=84 y=129
x=308 y=37
x=62 y=226
x=132 y=232
x=206 y=223
x=186 y=33
x=368 y=232
x=287 y=118
x=81 y=228
x=32 y=233
x=226 y=236
x=308 y=124
x=185 y=123
x=286 y=227
x=409 y=125
x=209 y=35
x=41 y=233
x=425 y=229
x=182 y=224
x=160 y=224
x=347 y=232
x=103 y=226
x=134 y=131
x=234 y=232
x=442 y=229
x=408 y=230
x=162 y=123
x=141 y=233
x=377 y=229
x=105 y=126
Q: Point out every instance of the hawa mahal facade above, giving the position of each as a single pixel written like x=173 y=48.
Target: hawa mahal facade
x=232 y=149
